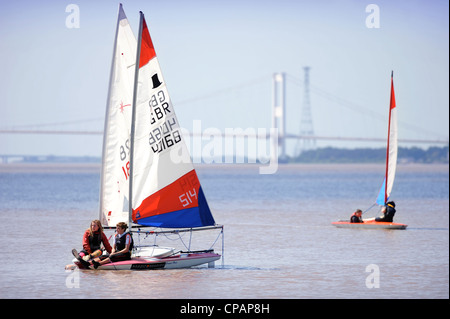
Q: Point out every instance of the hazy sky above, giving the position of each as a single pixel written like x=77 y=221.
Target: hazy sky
x=218 y=58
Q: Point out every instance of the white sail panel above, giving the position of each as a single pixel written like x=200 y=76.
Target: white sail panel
x=391 y=152
x=393 y=144
x=157 y=134
x=116 y=142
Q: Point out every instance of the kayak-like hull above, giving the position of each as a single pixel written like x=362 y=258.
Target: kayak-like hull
x=182 y=260
x=369 y=225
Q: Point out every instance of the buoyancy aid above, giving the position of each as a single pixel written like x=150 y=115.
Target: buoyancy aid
x=390 y=212
x=122 y=240
x=95 y=241
x=355 y=219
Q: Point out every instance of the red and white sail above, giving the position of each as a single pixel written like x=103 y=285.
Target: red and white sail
x=165 y=189
x=391 y=150
x=114 y=184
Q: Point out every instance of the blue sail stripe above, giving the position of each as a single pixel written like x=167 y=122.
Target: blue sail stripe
x=185 y=218
x=380 y=198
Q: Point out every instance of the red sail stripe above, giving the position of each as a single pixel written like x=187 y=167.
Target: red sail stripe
x=147 y=48
x=392 y=104
x=181 y=194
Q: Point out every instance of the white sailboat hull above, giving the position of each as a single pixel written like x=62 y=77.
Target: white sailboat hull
x=178 y=261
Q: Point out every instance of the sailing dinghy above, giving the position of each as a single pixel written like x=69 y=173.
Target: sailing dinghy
x=391 y=165
x=144 y=181
x=368 y=224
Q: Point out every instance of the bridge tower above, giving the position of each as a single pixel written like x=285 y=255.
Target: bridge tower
x=279 y=111
x=306 y=123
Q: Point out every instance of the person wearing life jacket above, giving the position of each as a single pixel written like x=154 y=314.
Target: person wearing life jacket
x=356 y=217
x=388 y=213
x=93 y=238
x=123 y=244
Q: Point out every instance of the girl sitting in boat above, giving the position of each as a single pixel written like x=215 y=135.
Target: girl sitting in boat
x=93 y=238
x=123 y=243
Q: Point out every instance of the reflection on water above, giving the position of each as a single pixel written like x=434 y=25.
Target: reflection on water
x=279 y=242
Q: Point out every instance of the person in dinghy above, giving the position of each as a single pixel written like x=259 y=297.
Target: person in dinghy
x=93 y=238
x=123 y=244
x=356 y=217
x=388 y=213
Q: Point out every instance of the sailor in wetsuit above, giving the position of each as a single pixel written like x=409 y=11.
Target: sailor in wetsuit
x=388 y=213
x=356 y=217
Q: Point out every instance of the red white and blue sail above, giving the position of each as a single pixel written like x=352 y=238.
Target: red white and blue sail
x=114 y=183
x=165 y=189
x=391 y=150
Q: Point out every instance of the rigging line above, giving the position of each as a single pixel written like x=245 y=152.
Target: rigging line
x=368 y=208
x=181 y=239
x=363 y=110
x=358 y=108
x=294 y=79
x=58 y=123
x=223 y=247
x=338 y=100
x=154 y=244
x=224 y=90
x=176 y=238
x=415 y=128
x=218 y=236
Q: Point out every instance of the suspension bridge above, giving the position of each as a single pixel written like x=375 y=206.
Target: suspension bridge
x=305 y=139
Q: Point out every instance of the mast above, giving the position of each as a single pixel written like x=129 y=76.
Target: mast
x=108 y=101
x=389 y=152
x=133 y=118
x=387 y=147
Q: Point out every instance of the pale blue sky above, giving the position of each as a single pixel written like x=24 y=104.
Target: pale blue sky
x=218 y=58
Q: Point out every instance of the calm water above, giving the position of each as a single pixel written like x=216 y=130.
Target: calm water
x=278 y=239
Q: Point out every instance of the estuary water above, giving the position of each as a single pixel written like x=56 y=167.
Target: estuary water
x=278 y=238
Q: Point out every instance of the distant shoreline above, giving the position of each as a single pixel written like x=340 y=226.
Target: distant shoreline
x=50 y=167
x=96 y=167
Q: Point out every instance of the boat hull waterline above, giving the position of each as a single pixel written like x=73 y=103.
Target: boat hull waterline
x=184 y=260
x=369 y=225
